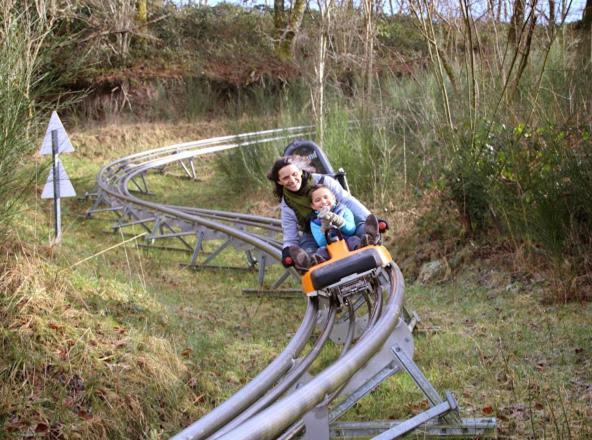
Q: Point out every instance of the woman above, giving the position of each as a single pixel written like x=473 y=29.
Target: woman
x=293 y=178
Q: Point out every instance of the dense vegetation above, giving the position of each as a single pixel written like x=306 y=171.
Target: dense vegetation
x=472 y=136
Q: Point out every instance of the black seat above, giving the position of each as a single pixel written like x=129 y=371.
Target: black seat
x=359 y=262
x=318 y=159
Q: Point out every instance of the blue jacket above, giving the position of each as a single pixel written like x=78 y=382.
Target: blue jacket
x=290 y=223
x=348 y=228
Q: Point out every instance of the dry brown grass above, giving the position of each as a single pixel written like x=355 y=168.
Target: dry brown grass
x=70 y=370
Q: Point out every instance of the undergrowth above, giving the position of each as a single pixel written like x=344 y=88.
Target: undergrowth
x=128 y=344
x=75 y=354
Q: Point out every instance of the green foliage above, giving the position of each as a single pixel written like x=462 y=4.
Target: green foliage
x=202 y=100
x=469 y=178
x=362 y=149
x=19 y=77
x=213 y=29
x=511 y=355
x=399 y=31
x=547 y=190
x=246 y=168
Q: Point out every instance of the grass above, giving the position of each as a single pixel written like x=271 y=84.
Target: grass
x=506 y=355
x=130 y=345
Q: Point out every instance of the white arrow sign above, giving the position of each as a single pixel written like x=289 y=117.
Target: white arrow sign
x=65 y=187
x=64 y=145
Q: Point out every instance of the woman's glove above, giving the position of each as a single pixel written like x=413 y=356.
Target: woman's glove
x=382 y=225
x=287 y=260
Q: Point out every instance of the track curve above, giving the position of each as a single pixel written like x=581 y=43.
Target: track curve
x=260 y=410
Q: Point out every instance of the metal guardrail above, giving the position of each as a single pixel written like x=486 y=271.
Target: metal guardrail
x=277 y=401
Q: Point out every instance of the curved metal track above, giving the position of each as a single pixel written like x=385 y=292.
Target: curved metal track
x=275 y=401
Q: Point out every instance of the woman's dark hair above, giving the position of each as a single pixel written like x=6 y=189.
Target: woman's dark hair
x=273 y=175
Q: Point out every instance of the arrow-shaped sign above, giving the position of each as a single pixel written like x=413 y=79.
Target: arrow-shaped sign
x=64 y=145
x=65 y=188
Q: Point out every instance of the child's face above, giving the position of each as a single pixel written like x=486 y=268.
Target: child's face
x=321 y=198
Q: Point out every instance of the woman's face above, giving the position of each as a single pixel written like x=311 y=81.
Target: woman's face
x=290 y=177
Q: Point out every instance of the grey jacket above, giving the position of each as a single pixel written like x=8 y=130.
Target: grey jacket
x=290 y=222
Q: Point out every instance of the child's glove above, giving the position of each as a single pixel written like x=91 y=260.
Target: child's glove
x=324 y=218
x=332 y=219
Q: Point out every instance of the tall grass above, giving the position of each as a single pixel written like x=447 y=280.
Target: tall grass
x=260 y=108
x=18 y=77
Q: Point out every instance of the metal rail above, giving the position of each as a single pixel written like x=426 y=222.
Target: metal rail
x=260 y=410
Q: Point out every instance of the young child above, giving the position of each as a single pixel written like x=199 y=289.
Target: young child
x=330 y=213
x=327 y=213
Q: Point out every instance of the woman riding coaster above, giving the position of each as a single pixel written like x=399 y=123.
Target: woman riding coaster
x=293 y=178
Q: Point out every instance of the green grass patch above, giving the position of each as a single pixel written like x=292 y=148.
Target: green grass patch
x=129 y=344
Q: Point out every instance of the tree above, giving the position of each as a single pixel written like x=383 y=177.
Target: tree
x=142 y=11
x=587 y=16
x=515 y=30
x=585 y=25
x=287 y=35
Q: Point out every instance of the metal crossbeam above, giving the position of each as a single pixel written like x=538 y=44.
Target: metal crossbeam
x=142 y=222
x=409 y=425
x=362 y=391
x=468 y=428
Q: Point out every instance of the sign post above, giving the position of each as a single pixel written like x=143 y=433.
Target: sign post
x=58 y=184
x=56 y=187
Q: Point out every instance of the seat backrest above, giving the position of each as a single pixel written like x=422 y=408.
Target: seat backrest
x=312 y=152
x=318 y=159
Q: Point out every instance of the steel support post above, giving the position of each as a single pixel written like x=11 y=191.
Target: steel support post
x=193 y=169
x=316 y=422
x=156 y=227
x=142 y=222
x=422 y=382
x=217 y=251
x=262 y=267
x=365 y=389
x=140 y=189
x=190 y=173
x=173 y=234
x=197 y=249
x=468 y=428
x=95 y=205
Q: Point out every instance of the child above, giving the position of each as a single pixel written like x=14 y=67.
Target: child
x=330 y=213
x=327 y=213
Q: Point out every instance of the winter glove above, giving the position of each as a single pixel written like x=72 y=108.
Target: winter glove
x=324 y=218
x=335 y=220
x=287 y=260
x=382 y=225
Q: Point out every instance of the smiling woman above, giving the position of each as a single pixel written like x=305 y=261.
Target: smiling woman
x=293 y=178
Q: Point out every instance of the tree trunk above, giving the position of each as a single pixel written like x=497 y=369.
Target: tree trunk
x=585 y=45
x=285 y=46
x=141 y=12
x=279 y=18
x=587 y=16
x=369 y=49
x=514 y=33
